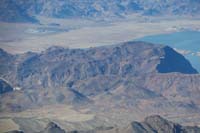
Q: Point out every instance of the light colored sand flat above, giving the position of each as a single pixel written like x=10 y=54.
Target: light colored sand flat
x=96 y=35
x=59 y=112
x=8 y=125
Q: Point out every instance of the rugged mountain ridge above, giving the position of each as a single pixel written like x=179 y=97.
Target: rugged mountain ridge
x=151 y=124
x=111 y=82
x=158 y=124
x=85 y=73
x=23 y=10
x=59 y=67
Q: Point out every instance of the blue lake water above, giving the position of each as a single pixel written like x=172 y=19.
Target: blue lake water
x=185 y=40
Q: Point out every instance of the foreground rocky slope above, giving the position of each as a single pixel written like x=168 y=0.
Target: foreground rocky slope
x=115 y=84
x=152 y=124
x=53 y=128
x=156 y=124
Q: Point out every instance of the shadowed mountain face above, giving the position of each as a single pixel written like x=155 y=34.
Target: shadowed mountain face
x=5 y=87
x=173 y=62
x=23 y=10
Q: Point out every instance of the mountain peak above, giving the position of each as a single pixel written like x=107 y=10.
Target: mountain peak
x=174 y=62
x=159 y=125
x=53 y=128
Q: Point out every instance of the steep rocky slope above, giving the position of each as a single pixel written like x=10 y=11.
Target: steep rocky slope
x=5 y=87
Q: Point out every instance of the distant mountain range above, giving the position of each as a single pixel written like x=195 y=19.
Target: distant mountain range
x=25 y=10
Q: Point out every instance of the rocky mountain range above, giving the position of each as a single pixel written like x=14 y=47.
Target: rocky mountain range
x=117 y=84
x=59 y=67
x=25 y=10
x=152 y=124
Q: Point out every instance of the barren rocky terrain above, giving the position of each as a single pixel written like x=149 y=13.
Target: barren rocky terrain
x=109 y=86
x=72 y=66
